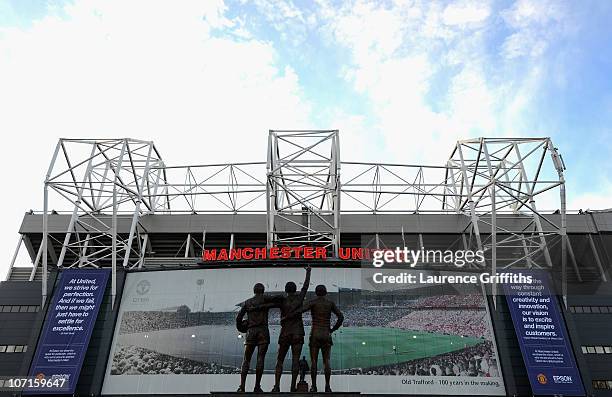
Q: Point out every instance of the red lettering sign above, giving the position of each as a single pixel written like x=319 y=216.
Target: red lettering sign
x=281 y=253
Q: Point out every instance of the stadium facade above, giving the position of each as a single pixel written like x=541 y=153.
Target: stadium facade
x=164 y=323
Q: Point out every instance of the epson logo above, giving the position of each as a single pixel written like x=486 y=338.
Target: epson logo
x=562 y=379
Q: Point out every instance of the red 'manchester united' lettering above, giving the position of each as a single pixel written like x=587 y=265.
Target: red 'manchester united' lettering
x=278 y=253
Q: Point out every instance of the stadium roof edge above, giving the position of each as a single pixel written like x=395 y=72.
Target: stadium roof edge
x=351 y=223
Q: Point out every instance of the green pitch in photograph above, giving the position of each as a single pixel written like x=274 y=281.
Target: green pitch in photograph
x=365 y=347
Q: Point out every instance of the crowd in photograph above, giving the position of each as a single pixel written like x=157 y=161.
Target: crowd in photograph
x=477 y=361
x=146 y=321
x=450 y=301
x=371 y=316
x=132 y=360
x=450 y=322
x=449 y=314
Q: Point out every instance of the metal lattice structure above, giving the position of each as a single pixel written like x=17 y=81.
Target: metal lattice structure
x=303 y=179
x=489 y=179
x=491 y=182
x=100 y=179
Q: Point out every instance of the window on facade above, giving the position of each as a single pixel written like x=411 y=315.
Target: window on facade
x=596 y=349
x=602 y=384
x=13 y=348
x=19 y=309
x=591 y=309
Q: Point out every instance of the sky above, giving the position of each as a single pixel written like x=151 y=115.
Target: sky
x=206 y=80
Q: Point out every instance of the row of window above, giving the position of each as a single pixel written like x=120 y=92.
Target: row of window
x=19 y=309
x=591 y=309
x=596 y=349
x=602 y=384
x=13 y=348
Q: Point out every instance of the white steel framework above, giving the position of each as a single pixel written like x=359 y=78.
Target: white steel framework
x=99 y=179
x=487 y=180
x=303 y=179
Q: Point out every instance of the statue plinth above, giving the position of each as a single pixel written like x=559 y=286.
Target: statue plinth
x=302 y=387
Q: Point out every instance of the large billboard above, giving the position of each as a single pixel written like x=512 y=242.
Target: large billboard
x=70 y=321
x=176 y=333
x=546 y=349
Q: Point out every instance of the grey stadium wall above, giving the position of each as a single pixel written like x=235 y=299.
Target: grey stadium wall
x=168 y=232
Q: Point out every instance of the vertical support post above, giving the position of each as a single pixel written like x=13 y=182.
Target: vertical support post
x=493 y=244
x=77 y=204
x=473 y=215
x=10 y=270
x=136 y=214
x=421 y=243
x=492 y=193
x=563 y=248
x=269 y=193
x=114 y=228
x=336 y=194
x=456 y=195
x=45 y=237
x=527 y=254
x=602 y=273
x=36 y=262
x=187 y=245
x=83 y=257
x=114 y=243
x=570 y=251
x=563 y=230
x=145 y=243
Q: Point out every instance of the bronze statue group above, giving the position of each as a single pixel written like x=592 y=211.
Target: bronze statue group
x=291 y=305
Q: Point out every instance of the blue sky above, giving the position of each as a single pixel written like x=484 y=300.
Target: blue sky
x=401 y=80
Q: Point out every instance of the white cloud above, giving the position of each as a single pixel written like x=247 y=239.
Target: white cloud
x=153 y=69
x=289 y=21
x=146 y=69
x=371 y=32
x=592 y=200
x=535 y=24
x=397 y=52
x=466 y=12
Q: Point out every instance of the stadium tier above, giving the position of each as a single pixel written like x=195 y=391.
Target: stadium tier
x=138 y=271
